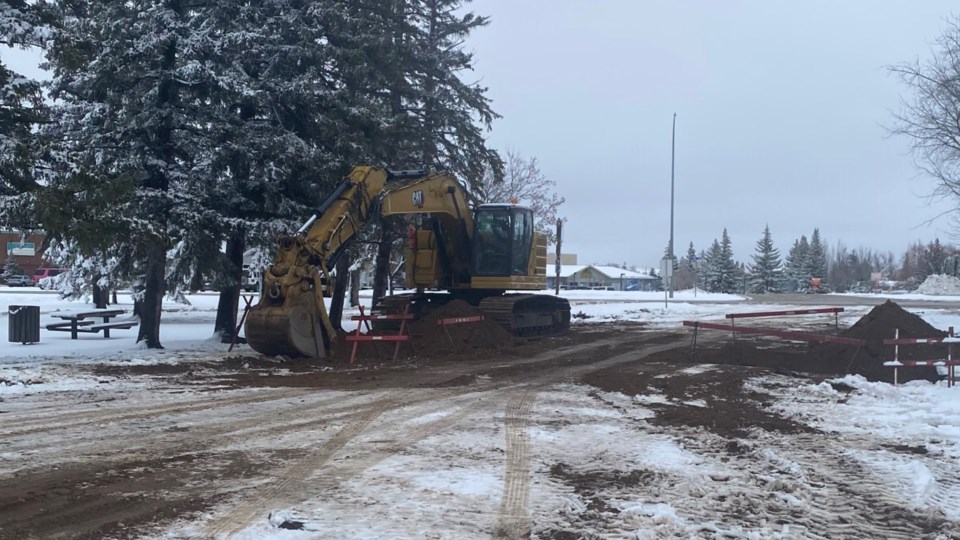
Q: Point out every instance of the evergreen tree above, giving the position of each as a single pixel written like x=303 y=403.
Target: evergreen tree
x=817 y=257
x=21 y=109
x=767 y=269
x=728 y=274
x=932 y=261
x=432 y=116
x=797 y=265
x=709 y=270
x=141 y=118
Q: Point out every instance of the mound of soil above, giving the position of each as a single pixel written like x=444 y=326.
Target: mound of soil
x=430 y=340
x=836 y=359
x=467 y=340
x=883 y=321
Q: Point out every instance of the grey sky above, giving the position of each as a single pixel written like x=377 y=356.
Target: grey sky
x=780 y=119
x=781 y=113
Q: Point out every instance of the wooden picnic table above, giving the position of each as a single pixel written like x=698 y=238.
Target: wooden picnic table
x=84 y=321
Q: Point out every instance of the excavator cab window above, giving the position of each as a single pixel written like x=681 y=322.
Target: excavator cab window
x=502 y=240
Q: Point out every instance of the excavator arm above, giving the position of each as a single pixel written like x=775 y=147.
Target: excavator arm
x=291 y=317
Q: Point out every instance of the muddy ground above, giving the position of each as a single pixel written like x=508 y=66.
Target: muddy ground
x=117 y=465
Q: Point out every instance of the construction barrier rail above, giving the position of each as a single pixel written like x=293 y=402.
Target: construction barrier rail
x=399 y=337
x=784 y=313
x=949 y=362
x=835 y=310
x=798 y=336
x=450 y=321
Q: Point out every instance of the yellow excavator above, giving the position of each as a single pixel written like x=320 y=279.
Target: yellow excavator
x=476 y=256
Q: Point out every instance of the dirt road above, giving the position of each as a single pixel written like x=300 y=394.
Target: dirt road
x=553 y=439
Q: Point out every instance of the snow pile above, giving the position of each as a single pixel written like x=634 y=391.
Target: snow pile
x=15 y=381
x=940 y=285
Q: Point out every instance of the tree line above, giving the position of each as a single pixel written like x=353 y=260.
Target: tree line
x=836 y=268
x=174 y=136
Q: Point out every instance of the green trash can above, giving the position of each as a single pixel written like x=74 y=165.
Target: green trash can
x=24 y=324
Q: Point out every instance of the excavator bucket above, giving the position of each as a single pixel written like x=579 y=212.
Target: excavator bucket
x=291 y=330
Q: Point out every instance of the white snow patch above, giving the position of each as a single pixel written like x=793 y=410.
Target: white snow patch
x=940 y=285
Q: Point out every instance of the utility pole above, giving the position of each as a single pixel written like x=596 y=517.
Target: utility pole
x=673 y=147
x=558 y=262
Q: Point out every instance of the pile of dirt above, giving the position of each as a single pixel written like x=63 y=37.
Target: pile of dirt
x=883 y=322
x=466 y=340
x=839 y=359
x=429 y=340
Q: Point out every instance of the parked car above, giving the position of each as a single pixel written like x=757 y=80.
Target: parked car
x=250 y=282
x=41 y=274
x=19 y=280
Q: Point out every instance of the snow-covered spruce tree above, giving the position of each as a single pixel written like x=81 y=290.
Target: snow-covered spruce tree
x=433 y=117
x=525 y=182
x=817 y=257
x=709 y=268
x=767 y=269
x=727 y=272
x=138 y=109
x=293 y=124
x=21 y=109
x=797 y=265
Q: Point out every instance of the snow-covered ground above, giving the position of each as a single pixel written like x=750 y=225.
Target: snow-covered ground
x=189 y=326
x=448 y=480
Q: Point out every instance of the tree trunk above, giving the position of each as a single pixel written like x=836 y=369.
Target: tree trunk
x=339 y=291
x=150 y=306
x=196 y=282
x=355 y=288
x=229 y=302
x=382 y=270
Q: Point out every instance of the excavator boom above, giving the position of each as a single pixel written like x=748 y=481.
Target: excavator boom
x=291 y=318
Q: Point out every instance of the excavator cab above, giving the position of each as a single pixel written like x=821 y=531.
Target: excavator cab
x=502 y=240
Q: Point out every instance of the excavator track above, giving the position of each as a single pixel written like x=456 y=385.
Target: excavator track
x=528 y=314
x=520 y=314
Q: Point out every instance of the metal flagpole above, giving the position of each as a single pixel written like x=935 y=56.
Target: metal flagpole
x=673 y=146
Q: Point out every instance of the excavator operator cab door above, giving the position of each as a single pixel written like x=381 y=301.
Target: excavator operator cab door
x=502 y=239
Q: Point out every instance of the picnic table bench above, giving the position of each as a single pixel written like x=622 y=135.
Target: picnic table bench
x=84 y=321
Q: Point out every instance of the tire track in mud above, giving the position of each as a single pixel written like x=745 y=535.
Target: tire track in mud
x=847 y=496
x=805 y=482
x=200 y=437
x=293 y=488
x=292 y=481
x=73 y=420
x=184 y=448
x=514 y=518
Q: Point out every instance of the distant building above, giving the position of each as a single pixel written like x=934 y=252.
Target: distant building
x=26 y=252
x=606 y=277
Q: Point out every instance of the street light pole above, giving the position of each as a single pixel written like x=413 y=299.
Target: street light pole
x=673 y=147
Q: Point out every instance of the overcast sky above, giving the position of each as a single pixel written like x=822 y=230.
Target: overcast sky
x=781 y=119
